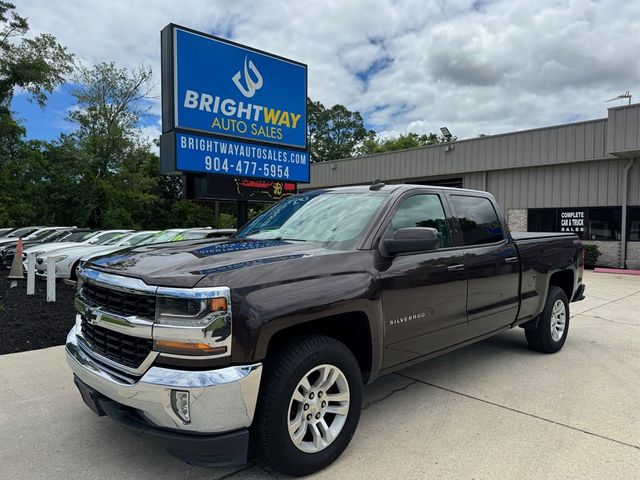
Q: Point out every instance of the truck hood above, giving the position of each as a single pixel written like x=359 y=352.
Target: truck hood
x=184 y=264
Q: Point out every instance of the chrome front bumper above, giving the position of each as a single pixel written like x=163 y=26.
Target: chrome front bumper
x=222 y=400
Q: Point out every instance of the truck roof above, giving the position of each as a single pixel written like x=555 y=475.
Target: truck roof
x=401 y=187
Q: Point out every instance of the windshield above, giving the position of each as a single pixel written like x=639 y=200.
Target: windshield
x=110 y=239
x=319 y=217
x=41 y=234
x=139 y=239
x=195 y=235
x=163 y=237
x=21 y=232
x=79 y=236
x=56 y=236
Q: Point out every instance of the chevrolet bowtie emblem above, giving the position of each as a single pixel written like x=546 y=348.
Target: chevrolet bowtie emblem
x=90 y=316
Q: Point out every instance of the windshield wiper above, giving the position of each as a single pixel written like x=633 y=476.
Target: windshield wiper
x=281 y=239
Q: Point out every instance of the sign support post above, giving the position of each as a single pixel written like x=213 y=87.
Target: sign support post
x=243 y=213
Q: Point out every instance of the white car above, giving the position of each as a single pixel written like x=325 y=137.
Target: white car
x=76 y=238
x=90 y=238
x=23 y=233
x=69 y=257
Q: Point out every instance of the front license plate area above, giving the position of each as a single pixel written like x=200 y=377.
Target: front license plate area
x=89 y=396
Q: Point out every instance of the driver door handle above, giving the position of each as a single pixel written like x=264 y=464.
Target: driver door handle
x=511 y=260
x=456 y=268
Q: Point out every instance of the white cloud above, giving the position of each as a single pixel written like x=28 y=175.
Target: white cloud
x=476 y=66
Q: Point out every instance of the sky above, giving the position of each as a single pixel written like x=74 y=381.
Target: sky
x=477 y=67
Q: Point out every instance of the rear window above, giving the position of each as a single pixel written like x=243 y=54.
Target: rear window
x=478 y=220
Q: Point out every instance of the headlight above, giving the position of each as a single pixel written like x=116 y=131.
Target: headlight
x=189 y=307
x=193 y=321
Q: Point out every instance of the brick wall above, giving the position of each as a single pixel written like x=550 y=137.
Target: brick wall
x=633 y=255
x=609 y=253
x=517 y=219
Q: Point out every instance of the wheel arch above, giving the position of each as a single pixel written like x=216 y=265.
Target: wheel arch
x=351 y=328
x=563 y=279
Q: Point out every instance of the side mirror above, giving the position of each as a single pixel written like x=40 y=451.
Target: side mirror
x=415 y=239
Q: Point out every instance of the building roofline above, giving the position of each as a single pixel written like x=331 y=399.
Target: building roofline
x=465 y=140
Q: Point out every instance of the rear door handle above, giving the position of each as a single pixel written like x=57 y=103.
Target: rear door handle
x=511 y=260
x=456 y=268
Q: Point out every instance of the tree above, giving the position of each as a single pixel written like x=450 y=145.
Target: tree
x=334 y=132
x=375 y=144
x=36 y=65
x=110 y=103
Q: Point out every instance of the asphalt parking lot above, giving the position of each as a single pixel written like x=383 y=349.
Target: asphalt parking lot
x=493 y=410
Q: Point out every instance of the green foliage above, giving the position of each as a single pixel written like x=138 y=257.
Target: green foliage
x=334 y=132
x=226 y=220
x=375 y=144
x=36 y=64
x=189 y=214
x=110 y=102
x=337 y=132
x=591 y=254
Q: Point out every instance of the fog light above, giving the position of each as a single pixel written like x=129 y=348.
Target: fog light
x=180 y=405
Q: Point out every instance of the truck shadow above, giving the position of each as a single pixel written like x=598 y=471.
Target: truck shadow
x=503 y=350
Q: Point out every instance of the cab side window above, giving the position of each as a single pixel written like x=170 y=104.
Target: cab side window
x=423 y=210
x=478 y=220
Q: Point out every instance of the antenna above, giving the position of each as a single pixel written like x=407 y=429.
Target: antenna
x=377 y=185
x=621 y=97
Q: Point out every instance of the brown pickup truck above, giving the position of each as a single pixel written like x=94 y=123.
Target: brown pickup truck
x=271 y=334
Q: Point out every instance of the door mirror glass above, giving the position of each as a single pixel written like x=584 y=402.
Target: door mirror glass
x=415 y=239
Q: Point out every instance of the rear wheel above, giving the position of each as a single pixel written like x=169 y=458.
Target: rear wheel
x=553 y=324
x=310 y=405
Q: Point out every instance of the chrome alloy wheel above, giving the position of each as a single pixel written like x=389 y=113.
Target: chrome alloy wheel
x=558 y=320
x=318 y=408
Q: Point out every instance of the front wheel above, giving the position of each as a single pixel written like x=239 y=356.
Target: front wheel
x=553 y=324
x=310 y=405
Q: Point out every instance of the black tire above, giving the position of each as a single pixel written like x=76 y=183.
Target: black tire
x=73 y=275
x=270 y=435
x=542 y=339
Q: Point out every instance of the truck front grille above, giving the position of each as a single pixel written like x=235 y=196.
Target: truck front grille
x=119 y=302
x=121 y=348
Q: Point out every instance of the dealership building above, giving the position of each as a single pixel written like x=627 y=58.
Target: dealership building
x=582 y=177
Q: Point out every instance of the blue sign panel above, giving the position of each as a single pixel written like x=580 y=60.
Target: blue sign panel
x=198 y=153
x=225 y=89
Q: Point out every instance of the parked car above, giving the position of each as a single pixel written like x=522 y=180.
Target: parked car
x=273 y=332
x=36 y=236
x=70 y=256
x=89 y=238
x=7 y=251
x=5 y=231
x=170 y=235
x=44 y=251
x=17 y=233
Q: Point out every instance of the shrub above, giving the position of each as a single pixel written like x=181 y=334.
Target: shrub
x=591 y=254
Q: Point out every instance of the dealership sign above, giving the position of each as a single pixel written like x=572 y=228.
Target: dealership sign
x=204 y=154
x=572 y=220
x=230 y=109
